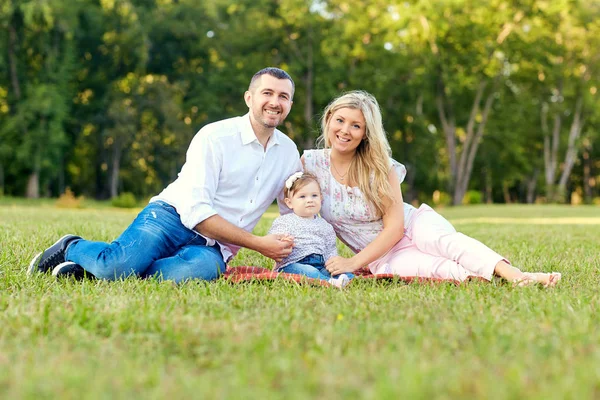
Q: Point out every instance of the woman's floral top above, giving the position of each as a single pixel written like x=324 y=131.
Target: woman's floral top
x=354 y=220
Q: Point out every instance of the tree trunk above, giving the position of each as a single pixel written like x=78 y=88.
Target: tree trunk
x=471 y=146
x=489 y=196
x=506 y=193
x=61 y=177
x=531 y=186
x=101 y=189
x=572 y=149
x=1 y=180
x=114 y=174
x=33 y=186
x=309 y=142
x=12 y=44
x=588 y=182
x=551 y=144
x=307 y=60
x=33 y=183
x=449 y=128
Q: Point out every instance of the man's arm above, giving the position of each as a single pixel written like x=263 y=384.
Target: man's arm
x=218 y=228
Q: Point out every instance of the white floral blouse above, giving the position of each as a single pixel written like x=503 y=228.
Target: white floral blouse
x=354 y=220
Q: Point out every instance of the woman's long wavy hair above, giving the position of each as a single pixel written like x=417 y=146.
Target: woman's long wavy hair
x=371 y=164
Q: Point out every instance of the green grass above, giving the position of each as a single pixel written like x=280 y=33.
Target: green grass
x=375 y=340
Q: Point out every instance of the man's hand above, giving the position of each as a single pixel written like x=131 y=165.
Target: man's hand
x=277 y=246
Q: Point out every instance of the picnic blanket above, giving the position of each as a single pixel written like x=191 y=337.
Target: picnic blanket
x=249 y=273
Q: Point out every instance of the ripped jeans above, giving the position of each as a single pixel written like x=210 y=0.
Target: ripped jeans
x=155 y=244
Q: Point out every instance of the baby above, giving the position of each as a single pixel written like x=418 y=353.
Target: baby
x=314 y=238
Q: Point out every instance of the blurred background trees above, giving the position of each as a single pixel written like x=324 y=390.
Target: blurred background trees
x=492 y=101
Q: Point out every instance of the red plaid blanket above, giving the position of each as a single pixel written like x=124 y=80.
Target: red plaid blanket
x=247 y=273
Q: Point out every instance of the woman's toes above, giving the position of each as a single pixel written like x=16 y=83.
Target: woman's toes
x=553 y=279
x=525 y=280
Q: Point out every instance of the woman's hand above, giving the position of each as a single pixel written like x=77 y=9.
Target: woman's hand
x=339 y=265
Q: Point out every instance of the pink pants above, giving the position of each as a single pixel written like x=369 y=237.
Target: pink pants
x=431 y=248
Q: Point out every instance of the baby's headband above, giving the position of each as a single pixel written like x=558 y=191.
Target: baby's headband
x=290 y=181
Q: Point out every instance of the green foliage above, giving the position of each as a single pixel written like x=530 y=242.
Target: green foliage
x=441 y=199
x=473 y=197
x=104 y=96
x=124 y=200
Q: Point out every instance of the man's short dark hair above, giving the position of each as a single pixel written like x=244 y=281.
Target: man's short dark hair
x=274 y=72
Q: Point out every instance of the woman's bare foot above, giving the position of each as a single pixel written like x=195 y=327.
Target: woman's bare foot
x=511 y=274
x=524 y=280
x=519 y=278
x=546 y=279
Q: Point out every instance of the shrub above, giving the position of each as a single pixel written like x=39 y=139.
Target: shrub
x=473 y=197
x=424 y=197
x=68 y=200
x=124 y=200
x=577 y=197
x=440 y=198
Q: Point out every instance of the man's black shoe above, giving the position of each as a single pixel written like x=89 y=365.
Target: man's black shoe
x=52 y=256
x=69 y=268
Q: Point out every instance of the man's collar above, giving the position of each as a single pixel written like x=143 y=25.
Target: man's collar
x=248 y=135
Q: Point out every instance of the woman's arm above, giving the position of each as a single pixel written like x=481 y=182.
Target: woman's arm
x=393 y=231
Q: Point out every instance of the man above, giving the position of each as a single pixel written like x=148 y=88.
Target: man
x=234 y=170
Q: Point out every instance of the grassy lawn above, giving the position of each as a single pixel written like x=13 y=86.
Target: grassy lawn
x=375 y=340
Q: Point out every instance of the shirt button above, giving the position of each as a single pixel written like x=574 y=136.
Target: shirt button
x=251 y=201
x=257 y=178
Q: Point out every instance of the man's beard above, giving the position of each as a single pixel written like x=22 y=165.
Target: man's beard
x=266 y=122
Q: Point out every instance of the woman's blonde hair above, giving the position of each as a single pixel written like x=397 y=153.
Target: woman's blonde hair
x=371 y=165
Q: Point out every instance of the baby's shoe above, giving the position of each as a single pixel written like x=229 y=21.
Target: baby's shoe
x=340 y=282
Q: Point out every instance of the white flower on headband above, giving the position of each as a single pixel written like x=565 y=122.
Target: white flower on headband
x=290 y=181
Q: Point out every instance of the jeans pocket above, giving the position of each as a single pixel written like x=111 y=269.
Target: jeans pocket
x=197 y=240
x=165 y=205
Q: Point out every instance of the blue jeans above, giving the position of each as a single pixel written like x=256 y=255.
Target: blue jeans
x=155 y=244
x=311 y=266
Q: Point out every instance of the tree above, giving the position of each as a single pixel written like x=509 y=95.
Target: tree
x=40 y=64
x=144 y=118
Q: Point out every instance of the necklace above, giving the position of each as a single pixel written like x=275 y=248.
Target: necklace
x=342 y=177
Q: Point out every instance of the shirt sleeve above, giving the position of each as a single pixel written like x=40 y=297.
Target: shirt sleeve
x=308 y=157
x=201 y=170
x=399 y=168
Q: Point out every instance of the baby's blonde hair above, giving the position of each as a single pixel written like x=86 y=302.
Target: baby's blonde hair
x=371 y=165
x=299 y=183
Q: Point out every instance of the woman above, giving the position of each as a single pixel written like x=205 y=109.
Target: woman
x=363 y=202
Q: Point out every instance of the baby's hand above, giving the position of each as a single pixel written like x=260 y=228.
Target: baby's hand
x=285 y=237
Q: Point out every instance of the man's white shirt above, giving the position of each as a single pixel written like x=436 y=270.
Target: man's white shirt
x=229 y=173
